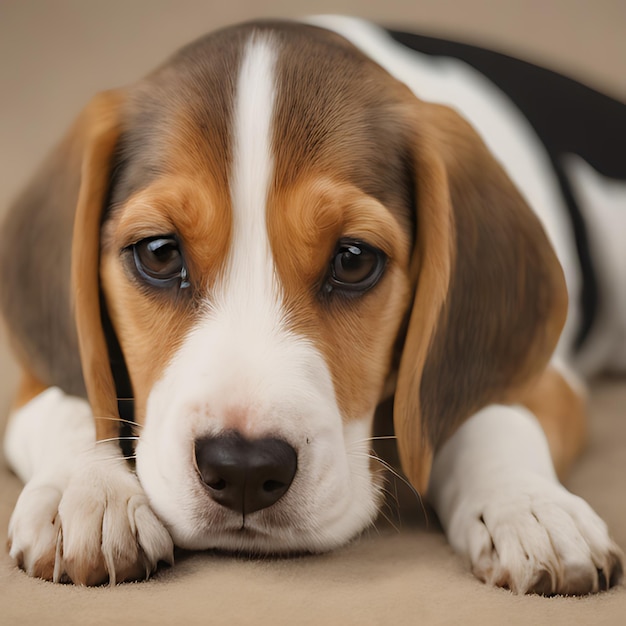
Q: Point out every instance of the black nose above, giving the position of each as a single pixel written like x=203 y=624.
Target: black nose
x=245 y=475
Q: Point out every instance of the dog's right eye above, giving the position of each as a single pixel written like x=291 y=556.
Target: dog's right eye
x=159 y=261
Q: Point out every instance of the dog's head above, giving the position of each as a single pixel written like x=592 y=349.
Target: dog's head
x=281 y=234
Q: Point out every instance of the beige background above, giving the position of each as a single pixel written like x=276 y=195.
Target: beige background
x=53 y=56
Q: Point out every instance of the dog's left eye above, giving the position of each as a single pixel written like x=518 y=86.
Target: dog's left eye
x=356 y=266
x=159 y=259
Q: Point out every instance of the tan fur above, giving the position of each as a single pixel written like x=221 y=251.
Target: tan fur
x=102 y=124
x=148 y=327
x=562 y=412
x=305 y=223
x=29 y=387
x=430 y=269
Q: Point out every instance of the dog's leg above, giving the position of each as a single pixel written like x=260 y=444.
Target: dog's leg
x=497 y=494
x=559 y=402
x=82 y=513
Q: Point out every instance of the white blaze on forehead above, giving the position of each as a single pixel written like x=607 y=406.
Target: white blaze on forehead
x=250 y=265
x=246 y=315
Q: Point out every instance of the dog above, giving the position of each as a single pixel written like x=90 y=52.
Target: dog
x=235 y=260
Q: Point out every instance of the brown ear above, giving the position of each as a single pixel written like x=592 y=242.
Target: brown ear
x=490 y=298
x=101 y=124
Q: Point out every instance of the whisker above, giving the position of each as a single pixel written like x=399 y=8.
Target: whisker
x=389 y=521
x=359 y=442
x=117 y=439
x=372 y=455
x=118 y=419
x=370 y=530
x=111 y=459
x=393 y=495
x=392 y=505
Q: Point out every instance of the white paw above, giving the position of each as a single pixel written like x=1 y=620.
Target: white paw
x=531 y=535
x=34 y=530
x=100 y=529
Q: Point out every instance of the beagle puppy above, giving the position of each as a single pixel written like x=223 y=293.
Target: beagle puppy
x=232 y=262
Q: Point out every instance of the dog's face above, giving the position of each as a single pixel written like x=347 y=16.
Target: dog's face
x=275 y=207
x=256 y=269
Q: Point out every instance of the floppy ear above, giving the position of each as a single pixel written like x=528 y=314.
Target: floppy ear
x=490 y=298
x=100 y=122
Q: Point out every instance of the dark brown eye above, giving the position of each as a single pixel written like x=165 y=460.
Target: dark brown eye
x=356 y=266
x=159 y=260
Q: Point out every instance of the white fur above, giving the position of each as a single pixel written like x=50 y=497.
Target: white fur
x=81 y=507
x=252 y=171
x=106 y=520
x=603 y=204
x=44 y=437
x=502 y=507
x=41 y=443
x=242 y=368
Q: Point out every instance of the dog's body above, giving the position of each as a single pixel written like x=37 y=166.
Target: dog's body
x=269 y=235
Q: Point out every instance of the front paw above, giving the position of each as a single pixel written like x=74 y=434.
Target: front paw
x=101 y=528
x=108 y=529
x=538 y=538
x=35 y=530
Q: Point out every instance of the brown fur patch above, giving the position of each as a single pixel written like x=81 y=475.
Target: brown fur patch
x=562 y=412
x=341 y=170
x=35 y=268
x=354 y=332
x=103 y=123
x=151 y=323
x=505 y=303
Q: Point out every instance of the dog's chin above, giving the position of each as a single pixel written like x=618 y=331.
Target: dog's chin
x=260 y=544
x=281 y=530
x=258 y=535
